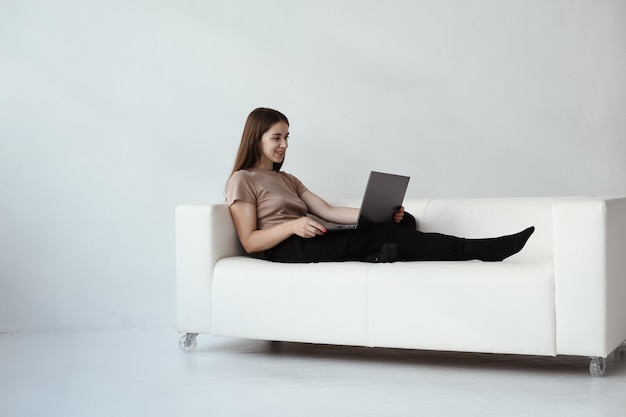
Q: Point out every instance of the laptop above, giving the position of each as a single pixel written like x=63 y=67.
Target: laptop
x=383 y=196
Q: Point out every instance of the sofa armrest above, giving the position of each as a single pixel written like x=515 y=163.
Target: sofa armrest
x=590 y=275
x=204 y=234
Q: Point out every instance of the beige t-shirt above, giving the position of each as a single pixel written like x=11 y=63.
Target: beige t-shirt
x=276 y=195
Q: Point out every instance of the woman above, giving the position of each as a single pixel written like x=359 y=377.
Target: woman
x=269 y=209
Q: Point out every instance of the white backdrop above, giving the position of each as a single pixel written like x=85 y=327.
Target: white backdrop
x=112 y=112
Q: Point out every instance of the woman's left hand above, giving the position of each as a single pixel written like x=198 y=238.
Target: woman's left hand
x=398 y=215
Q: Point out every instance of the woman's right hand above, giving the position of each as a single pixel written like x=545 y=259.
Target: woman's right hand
x=307 y=228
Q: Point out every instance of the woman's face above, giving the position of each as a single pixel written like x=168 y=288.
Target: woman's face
x=273 y=145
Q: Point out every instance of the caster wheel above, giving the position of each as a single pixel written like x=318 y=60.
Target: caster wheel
x=188 y=342
x=597 y=366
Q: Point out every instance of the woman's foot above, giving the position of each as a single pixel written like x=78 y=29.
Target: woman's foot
x=498 y=248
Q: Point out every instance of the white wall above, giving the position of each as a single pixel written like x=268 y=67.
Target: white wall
x=112 y=112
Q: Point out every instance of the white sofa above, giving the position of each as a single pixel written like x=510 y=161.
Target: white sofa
x=564 y=294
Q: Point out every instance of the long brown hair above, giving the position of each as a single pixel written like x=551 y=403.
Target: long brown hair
x=258 y=123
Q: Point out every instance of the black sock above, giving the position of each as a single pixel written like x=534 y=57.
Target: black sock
x=497 y=248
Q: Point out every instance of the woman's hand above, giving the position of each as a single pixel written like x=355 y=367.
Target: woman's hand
x=307 y=227
x=398 y=215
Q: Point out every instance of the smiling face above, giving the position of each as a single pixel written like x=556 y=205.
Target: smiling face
x=273 y=146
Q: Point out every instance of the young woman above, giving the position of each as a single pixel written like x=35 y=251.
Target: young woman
x=269 y=209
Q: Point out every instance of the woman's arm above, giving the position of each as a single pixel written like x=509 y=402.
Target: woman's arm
x=342 y=215
x=318 y=206
x=255 y=240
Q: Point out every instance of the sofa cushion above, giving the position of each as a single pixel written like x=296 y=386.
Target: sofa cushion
x=505 y=307
x=317 y=302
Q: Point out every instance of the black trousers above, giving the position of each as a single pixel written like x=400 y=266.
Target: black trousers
x=360 y=244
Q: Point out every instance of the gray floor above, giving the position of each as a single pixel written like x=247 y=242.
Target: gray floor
x=143 y=373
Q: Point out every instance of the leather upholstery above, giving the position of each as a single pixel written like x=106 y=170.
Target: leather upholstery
x=565 y=293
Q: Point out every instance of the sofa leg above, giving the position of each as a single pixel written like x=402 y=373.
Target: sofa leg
x=597 y=366
x=188 y=342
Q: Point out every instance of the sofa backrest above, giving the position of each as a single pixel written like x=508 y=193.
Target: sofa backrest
x=486 y=217
x=490 y=217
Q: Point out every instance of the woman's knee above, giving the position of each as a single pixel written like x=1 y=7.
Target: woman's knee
x=408 y=221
